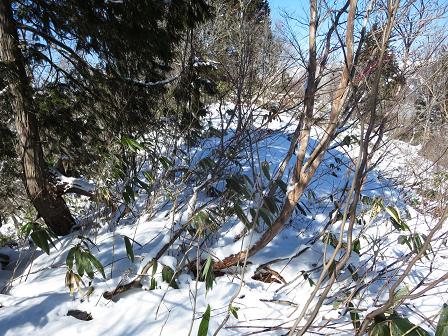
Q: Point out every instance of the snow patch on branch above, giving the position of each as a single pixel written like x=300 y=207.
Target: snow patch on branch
x=202 y=63
x=4 y=90
x=150 y=84
x=72 y=184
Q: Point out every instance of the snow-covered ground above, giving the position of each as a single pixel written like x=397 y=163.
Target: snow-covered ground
x=38 y=300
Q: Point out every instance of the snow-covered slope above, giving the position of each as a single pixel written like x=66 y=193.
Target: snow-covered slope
x=38 y=301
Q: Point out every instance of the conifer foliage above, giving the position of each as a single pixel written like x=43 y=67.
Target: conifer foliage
x=95 y=48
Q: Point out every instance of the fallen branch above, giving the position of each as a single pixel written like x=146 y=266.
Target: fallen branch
x=136 y=283
x=393 y=289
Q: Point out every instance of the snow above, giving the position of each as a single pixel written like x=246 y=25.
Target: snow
x=38 y=301
x=4 y=90
x=73 y=182
x=203 y=63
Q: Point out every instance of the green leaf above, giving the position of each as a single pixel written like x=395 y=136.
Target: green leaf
x=96 y=263
x=87 y=264
x=237 y=183
x=306 y=276
x=46 y=234
x=330 y=238
x=414 y=242
x=207 y=267
x=241 y=215
x=337 y=303
x=148 y=176
x=78 y=259
x=380 y=329
x=366 y=200
x=354 y=316
x=68 y=282
x=168 y=276
x=166 y=163
x=70 y=257
x=234 y=311
x=153 y=284
x=254 y=217
x=141 y=184
x=402 y=326
x=311 y=282
x=346 y=141
x=26 y=229
x=264 y=213
x=203 y=326
x=207 y=274
x=83 y=238
x=400 y=294
x=130 y=144
x=402 y=239
x=396 y=325
x=442 y=325
x=154 y=267
x=270 y=203
x=393 y=212
x=128 y=194
x=246 y=180
x=417 y=241
x=265 y=169
x=396 y=220
x=202 y=220
x=40 y=239
x=129 y=250
x=356 y=246
x=233 y=185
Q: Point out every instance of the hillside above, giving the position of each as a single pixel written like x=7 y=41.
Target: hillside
x=268 y=293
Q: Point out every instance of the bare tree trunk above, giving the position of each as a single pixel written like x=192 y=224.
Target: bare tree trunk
x=299 y=179
x=49 y=205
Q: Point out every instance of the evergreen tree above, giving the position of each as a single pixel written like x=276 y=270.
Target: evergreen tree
x=391 y=77
x=91 y=47
x=232 y=56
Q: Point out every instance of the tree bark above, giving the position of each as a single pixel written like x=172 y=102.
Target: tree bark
x=299 y=179
x=51 y=207
x=304 y=170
